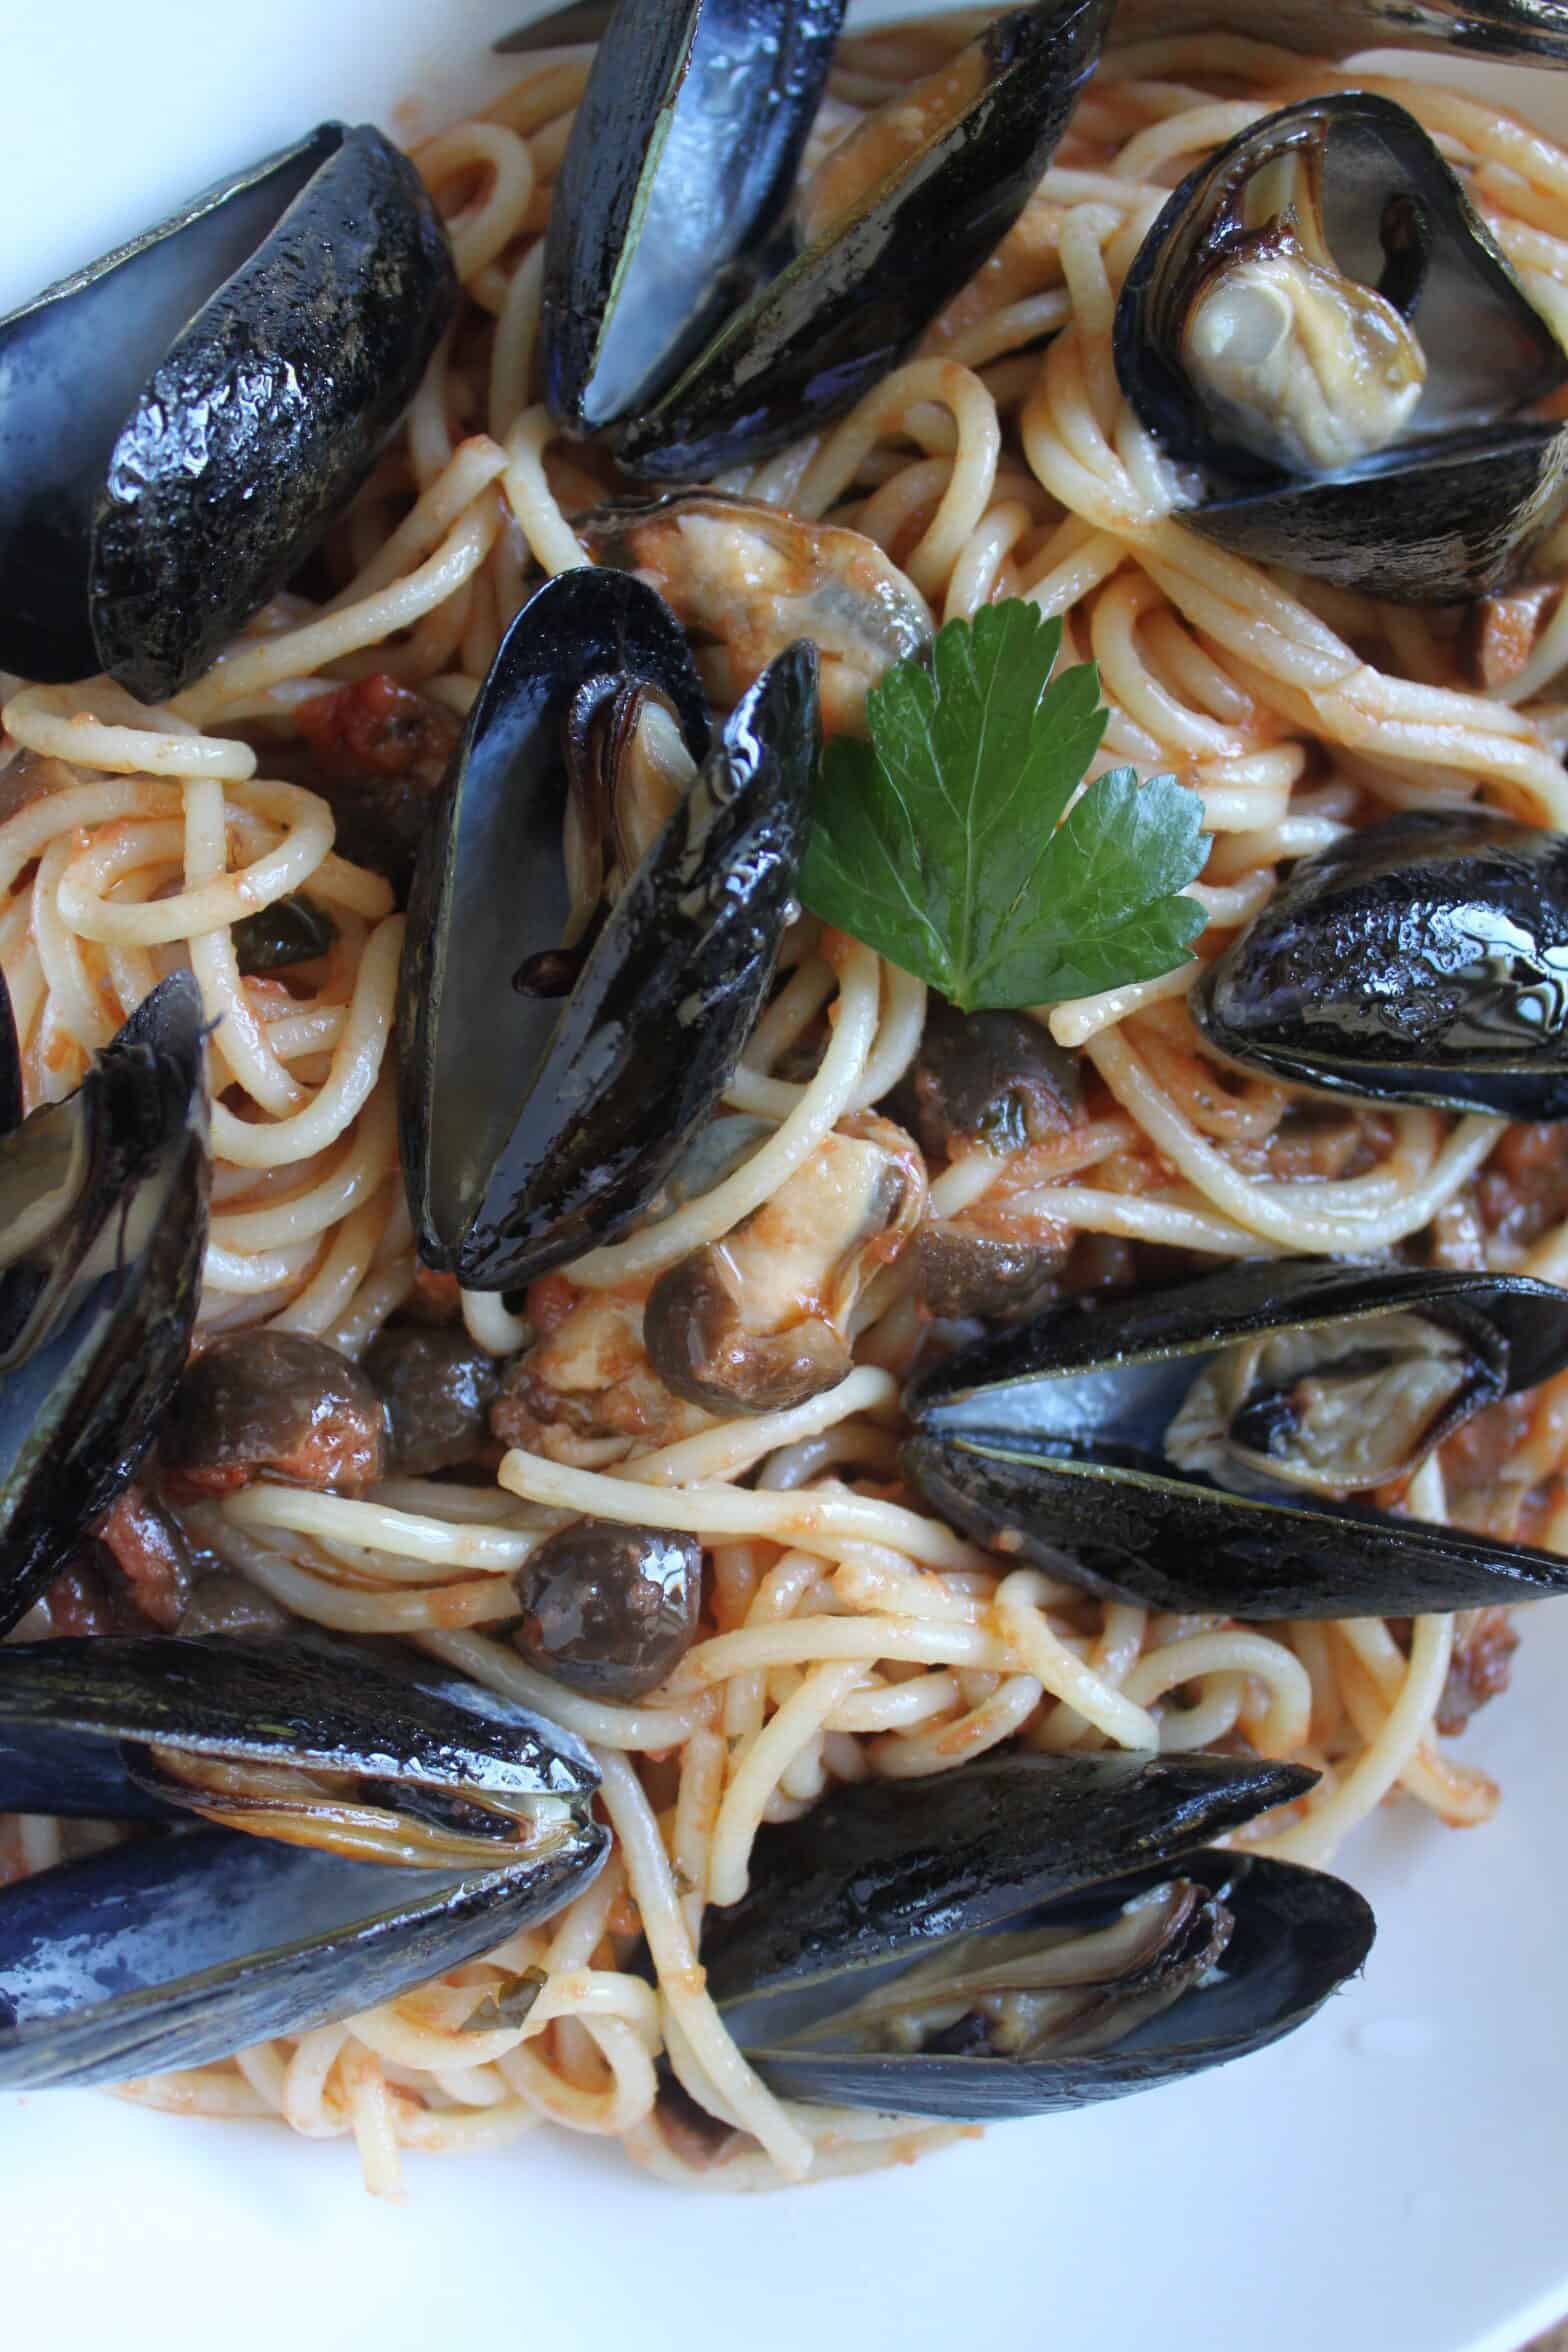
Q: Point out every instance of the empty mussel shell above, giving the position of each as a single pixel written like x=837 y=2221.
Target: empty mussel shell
x=1422 y=960
x=1028 y=1933
x=1211 y=1447
x=310 y=1742
x=682 y=156
x=536 y=1124
x=181 y=1950
x=1322 y=329
x=103 y=1223
x=229 y=378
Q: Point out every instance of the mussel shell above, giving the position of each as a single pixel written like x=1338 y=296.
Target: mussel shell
x=1499 y=29
x=491 y=888
x=855 y=301
x=1453 y=520
x=652 y=1032
x=305 y=1703
x=887 y=1867
x=1451 y=511
x=12 y=1098
x=1423 y=960
x=230 y=377
x=95 y=1324
x=562 y=1129
x=683 y=152
x=1048 y=1442
x=181 y=1950
x=1299 y=1935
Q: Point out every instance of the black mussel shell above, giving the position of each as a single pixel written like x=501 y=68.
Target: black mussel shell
x=682 y=156
x=1423 y=960
x=97 y=1307
x=181 y=1950
x=1500 y=29
x=1296 y=1937
x=229 y=377
x=1452 y=508
x=304 y=1704
x=557 y=1134
x=11 y=1094
x=491 y=888
x=892 y=1865
x=867 y=279
x=887 y=1874
x=1048 y=1442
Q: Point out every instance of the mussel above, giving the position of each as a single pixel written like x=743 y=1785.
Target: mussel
x=745 y=580
x=103 y=1222
x=1030 y=1932
x=1423 y=960
x=399 y=1823
x=180 y=421
x=1215 y=1447
x=1323 y=330
x=670 y=215
x=582 y=969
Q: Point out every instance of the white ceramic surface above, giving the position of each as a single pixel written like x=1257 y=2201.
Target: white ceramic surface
x=1393 y=2179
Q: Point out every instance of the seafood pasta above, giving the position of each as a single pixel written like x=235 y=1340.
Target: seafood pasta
x=752 y=1420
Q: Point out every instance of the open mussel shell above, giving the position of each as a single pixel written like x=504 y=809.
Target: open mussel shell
x=1052 y=1442
x=898 y=219
x=103 y=1224
x=902 y=1886
x=229 y=378
x=535 y=1127
x=682 y=156
x=1442 y=505
x=492 y=890
x=184 y=1949
x=1424 y=960
x=307 y=1741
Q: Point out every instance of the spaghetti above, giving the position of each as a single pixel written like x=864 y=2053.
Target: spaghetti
x=847 y=1632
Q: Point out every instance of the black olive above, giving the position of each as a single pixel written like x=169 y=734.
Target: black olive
x=696 y=1339
x=291 y=931
x=609 y=1610
x=437 y=1388
x=995 y=1079
x=959 y=1272
x=274 y=1401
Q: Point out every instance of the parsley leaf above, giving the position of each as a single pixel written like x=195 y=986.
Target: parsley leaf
x=940 y=842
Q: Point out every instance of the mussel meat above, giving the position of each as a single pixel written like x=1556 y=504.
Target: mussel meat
x=381 y=1823
x=713 y=102
x=1422 y=960
x=534 y=1127
x=1215 y=1447
x=1028 y=1933
x=746 y=580
x=103 y=1223
x=230 y=377
x=1321 y=327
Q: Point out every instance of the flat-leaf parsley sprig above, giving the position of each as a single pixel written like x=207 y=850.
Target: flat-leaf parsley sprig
x=941 y=841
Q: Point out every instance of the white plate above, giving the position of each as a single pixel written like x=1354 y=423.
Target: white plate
x=1393 y=2179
